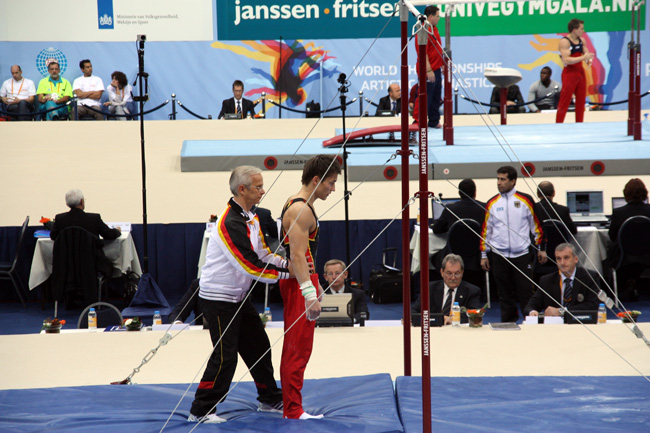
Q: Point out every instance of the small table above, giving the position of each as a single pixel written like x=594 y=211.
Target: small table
x=436 y=243
x=594 y=242
x=120 y=251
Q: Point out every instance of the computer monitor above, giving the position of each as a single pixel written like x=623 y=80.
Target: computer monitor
x=437 y=208
x=585 y=202
x=620 y=201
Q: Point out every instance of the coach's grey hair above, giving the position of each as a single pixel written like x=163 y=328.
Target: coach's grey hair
x=73 y=198
x=566 y=245
x=242 y=176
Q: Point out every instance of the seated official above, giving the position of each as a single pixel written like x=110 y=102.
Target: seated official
x=514 y=98
x=636 y=194
x=546 y=208
x=77 y=217
x=336 y=275
x=452 y=288
x=189 y=303
x=573 y=288
x=237 y=104
x=392 y=101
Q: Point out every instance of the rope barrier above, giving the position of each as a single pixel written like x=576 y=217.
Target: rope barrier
x=602 y=104
x=37 y=113
x=311 y=112
x=508 y=106
x=128 y=115
x=180 y=104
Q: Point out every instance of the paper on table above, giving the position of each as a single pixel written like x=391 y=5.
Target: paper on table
x=553 y=320
x=532 y=320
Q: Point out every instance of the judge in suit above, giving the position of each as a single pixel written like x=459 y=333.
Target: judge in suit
x=546 y=208
x=573 y=288
x=452 y=288
x=392 y=101
x=237 y=104
x=335 y=275
x=78 y=218
x=627 y=275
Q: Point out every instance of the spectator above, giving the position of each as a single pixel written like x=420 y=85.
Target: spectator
x=89 y=89
x=336 y=276
x=54 y=90
x=17 y=93
x=452 y=288
x=574 y=288
x=237 y=104
x=514 y=98
x=506 y=233
x=546 y=208
x=119 y=95
x=544 y=88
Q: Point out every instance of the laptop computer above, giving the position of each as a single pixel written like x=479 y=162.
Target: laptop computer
x=437 y=208
x=336 y=310
x=586 y=206
x=585 y=316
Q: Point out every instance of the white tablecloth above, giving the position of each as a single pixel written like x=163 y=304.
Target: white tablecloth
x=593 y=241
x=120 y=251
x=436 y=243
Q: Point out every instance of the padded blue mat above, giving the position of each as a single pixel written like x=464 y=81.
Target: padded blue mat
x=530 y=404
x=350 y=404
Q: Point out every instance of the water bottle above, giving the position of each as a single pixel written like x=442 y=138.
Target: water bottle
x=602 y=314
x=157 y=320
x=455 y=315
x=267 y=313
x=92 y=320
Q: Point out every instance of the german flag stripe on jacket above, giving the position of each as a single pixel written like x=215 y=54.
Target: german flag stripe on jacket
x=509 y=218
x=237 y=255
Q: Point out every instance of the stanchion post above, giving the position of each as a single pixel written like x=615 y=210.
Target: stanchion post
x=264 y=104
x=173 y=115
x=360 y=103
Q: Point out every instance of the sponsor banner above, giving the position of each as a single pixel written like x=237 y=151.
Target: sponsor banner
x=343 y=19
x=110 y=21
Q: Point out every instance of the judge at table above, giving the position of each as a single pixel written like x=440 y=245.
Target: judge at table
x=77 y=217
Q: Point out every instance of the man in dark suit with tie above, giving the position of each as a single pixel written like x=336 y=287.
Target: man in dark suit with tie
x=546 y=208
x=335 y=275
x=237 y=104
x=392 y=101
x=452 y=288
x=573 y=288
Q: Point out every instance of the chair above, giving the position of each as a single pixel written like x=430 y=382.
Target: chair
x=8 y=269
x=555 y=233
x=75 y=266
x=105 y=316
x=464 y=239
x=634 y=245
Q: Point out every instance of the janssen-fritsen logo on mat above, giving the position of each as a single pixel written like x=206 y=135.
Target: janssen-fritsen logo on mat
x=105 y=19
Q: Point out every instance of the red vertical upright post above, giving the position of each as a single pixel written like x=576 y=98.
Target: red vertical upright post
x=630 y=94
x=406 y=265
x=423 y=171
x=448 y=127
x=503 y=109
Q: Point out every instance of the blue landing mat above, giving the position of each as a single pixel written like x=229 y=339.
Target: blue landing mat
x=530 y=404
x=350 y=404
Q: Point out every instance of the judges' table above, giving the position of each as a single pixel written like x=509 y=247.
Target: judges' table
x=99 y=358
x=120 y=251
